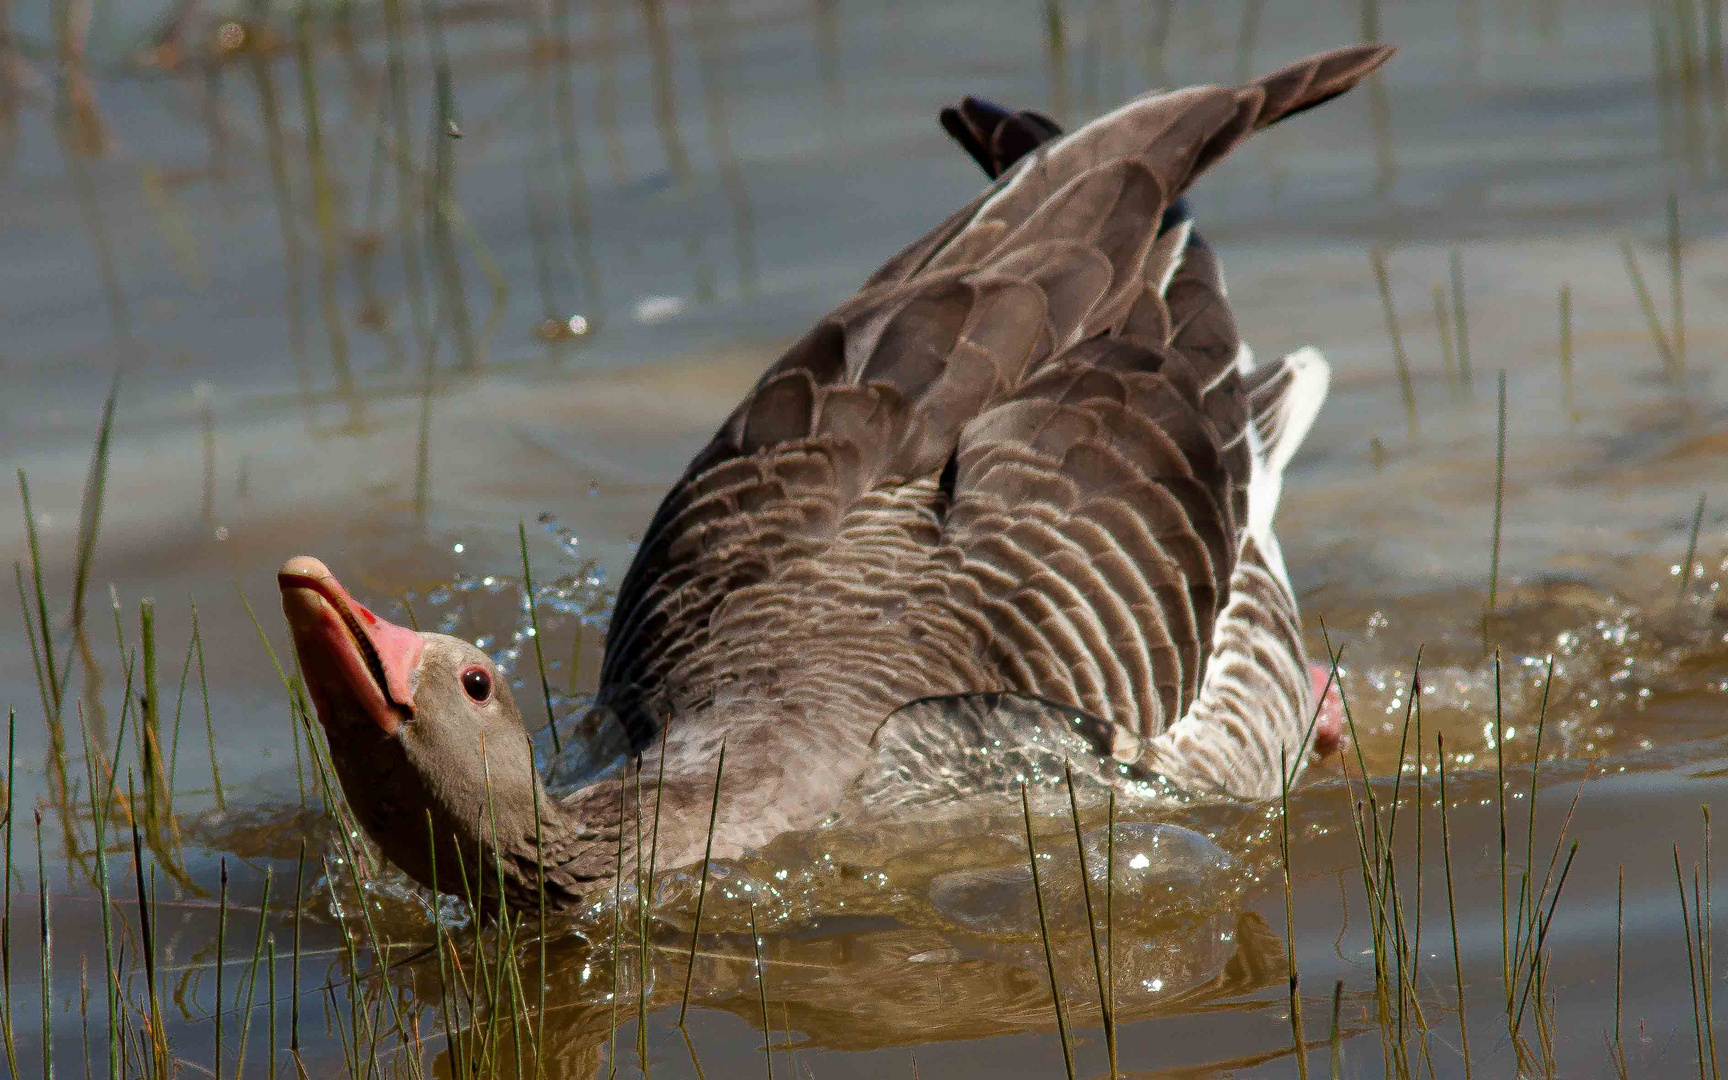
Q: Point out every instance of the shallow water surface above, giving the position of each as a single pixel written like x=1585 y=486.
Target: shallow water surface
x=338 y=329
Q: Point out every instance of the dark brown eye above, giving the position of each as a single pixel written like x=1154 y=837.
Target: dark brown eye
x=477 y=684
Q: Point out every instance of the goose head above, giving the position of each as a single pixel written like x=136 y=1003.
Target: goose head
x=432 y=753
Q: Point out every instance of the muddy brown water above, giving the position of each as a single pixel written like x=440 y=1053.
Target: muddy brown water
x=693 y=184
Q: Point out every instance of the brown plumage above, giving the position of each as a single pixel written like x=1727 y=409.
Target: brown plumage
x=1019 y=459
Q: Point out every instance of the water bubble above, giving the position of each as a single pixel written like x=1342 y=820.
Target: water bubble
x=658 y=309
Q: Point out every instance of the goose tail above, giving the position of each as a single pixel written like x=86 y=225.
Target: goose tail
x=1284 y=398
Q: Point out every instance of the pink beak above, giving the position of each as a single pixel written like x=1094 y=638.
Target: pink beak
x=346 y=652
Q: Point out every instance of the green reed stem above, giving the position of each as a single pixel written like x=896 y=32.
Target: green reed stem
x=617 y=926
x=1460 y=318
x=324 y=213
x=695 y=1063
x=54 y=689
x=702 y=886
x=1499 y=497
x=446 y=950
x=1568 y=399
x=1421 y=813
x=1452 y=902
x=350 y=1046
x=576 y=657
x=1044 y=932
x=209 y=723
x=1677 y=283
x=441 y=211
x=1654 y=321
x=270 y=983
x=1443 y=330
x=42 y=687
x=294 y=972
x=1400 y=361
x=534 y=625
x=1104 y=1011
x=1500 y=806
x=150 y=718
x=1707 y=951
x=1336 y=1040
x=1691 y=553
x=6 y=887
x=396 y=79
x=83 y=1015
x=761 y=992
x=90 y=513
x=1299 y=1043
x=1530 y=824
x=103 y=808
x=1691 y=965
x=1619 y=962
x=179 y=711
x=221 y=960
x=1536 y=961
x=45 y=930
x=540 y=899
x=146 y=931
x=520 y=996
x=1110 y=918
x=641 y=934
x=505 y=930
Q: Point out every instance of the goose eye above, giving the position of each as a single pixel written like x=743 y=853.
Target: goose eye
x=477 y=684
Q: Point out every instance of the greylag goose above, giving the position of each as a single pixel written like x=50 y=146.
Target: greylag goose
x=1031 y=455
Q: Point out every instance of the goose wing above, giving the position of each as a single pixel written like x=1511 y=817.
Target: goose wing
x=1041 y=404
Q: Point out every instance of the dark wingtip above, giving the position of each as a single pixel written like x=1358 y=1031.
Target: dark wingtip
x=995 y=137
x=981 y=111
x=1316 y=80
x=954 y=122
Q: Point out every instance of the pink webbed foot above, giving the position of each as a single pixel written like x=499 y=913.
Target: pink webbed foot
x=1329 y=727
